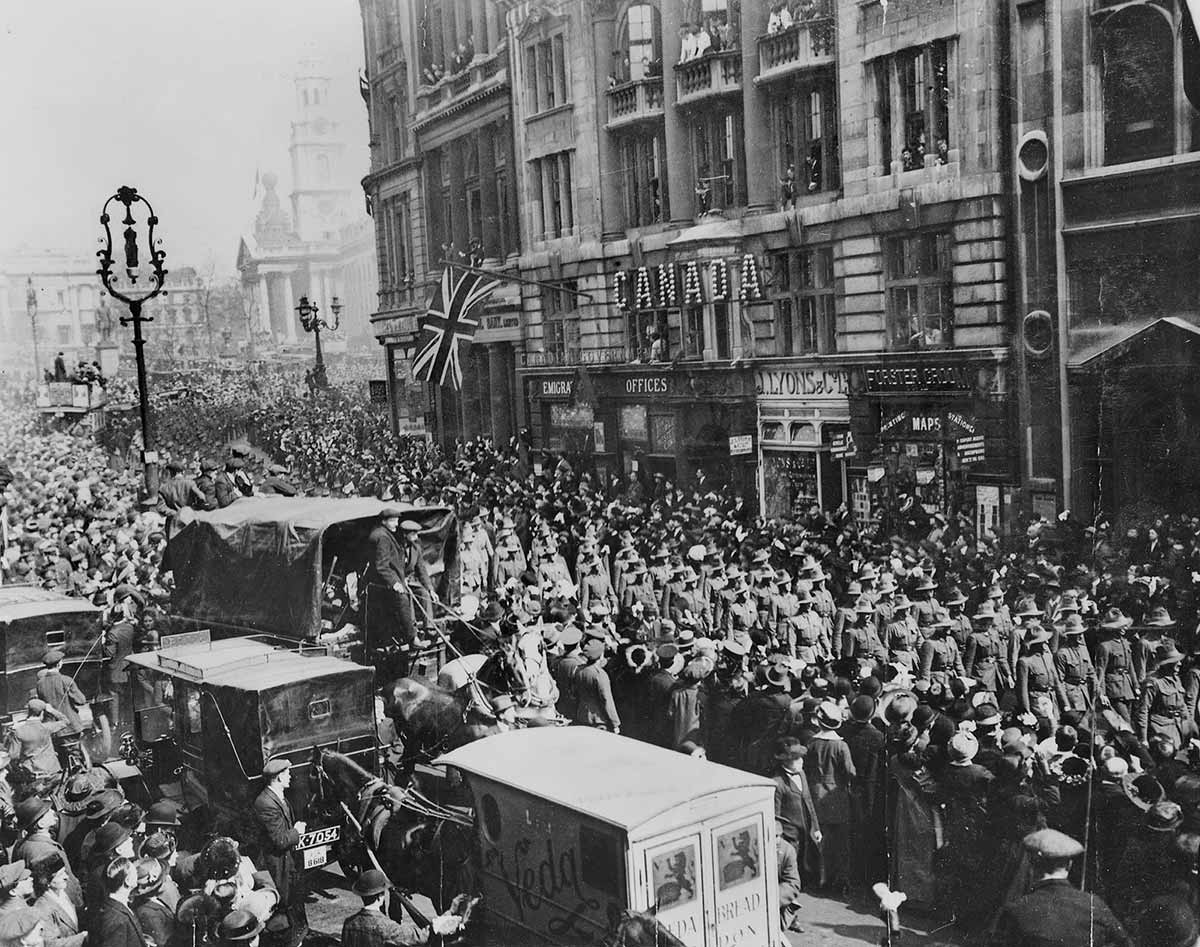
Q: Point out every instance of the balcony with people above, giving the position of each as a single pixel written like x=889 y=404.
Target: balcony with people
x=710 y=57
x=461 y=53
x=800 y=35
x=635 y=86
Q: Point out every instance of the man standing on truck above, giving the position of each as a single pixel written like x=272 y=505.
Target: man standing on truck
x=389 y=600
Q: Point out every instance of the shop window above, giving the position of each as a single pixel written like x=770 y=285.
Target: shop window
x=634 y=424
x=805 y=316
x=802 y=433
x=920 y=305
x=644 y=177
x=1137 y=48
x=805 y=122
x=662 y=433
x=640 y=33
x=912 y=107
x=720 y=164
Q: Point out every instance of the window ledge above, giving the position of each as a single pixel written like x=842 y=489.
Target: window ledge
x=1146 y=166
x=565 y=107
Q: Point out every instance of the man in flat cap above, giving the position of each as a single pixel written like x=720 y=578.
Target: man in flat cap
x=1055 y=912
x=278 y=834
x=61 y=693
x=277 y=482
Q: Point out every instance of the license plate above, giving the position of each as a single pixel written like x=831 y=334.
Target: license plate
x=325 y=836
x=316 y=857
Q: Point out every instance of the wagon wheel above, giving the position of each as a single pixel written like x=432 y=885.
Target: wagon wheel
x=99 y=741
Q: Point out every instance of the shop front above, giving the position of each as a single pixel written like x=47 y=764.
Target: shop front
x=635 y=422
x=803 y=423
x=934 y=432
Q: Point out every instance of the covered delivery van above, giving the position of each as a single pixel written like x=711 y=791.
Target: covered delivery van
x=576 y=825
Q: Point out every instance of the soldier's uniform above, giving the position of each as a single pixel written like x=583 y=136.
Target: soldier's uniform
x=901 y=639
x=1161 y=708
x=1039 y=689
x=984 y=657
x=940 y=657
x=809 y=630
x=1114 y=673
x=1075 y=667
x=861 y=640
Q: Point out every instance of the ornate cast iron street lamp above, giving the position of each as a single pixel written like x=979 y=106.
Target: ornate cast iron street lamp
x=133 y=295
x=310 y=319
x=31 y=309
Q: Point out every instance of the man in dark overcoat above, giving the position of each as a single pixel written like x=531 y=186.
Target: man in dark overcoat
x=278 y=835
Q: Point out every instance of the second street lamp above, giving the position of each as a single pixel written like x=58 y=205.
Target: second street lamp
x=31 y=307
x=310 y=319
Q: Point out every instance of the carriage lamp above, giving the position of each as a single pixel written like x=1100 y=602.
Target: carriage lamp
x=142 y=280
x=311 y=321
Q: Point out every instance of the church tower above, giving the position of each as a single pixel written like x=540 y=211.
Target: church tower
x=321 y=196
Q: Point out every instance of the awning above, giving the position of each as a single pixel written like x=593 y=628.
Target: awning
x=1091 y=350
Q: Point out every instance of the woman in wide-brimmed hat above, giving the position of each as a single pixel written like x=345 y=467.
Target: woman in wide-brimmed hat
x=830 y=771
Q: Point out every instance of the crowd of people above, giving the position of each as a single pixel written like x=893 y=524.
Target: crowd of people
x=985 y=724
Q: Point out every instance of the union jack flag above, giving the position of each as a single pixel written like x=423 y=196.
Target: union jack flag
x=448 y=325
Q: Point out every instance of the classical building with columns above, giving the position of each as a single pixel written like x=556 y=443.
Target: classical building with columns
x=443 y=187
x=793 y=238
x=315 y=249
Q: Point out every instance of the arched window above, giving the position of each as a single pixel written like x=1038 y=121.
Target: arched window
x=1138 y=82
x=323 y=168
x=641 y=42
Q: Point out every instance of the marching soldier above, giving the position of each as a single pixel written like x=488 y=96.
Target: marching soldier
x=809 y=630
x=1114 y=664
x=1075 y=666
x=960 y=624
x=845 y=616
x=1160 y=710
x=861 y=640
x=985 y=660
x=940 y=657
x=902 y=638
x=1039 y=688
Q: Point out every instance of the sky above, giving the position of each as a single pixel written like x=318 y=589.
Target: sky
x=186 y=100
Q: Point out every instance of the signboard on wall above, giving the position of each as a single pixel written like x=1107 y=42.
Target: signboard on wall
x=842 y=446
x=971 y=450
x=598 y=436
x=987 y=509
x=741 y=444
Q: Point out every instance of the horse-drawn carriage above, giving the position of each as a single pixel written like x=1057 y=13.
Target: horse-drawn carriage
x=211 y=714
x=571 y=833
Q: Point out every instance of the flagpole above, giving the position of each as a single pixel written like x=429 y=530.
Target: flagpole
x=504 y=277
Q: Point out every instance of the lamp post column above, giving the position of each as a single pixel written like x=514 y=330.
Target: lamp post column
x=320 y=369
x=149 y=459
x=31 y=307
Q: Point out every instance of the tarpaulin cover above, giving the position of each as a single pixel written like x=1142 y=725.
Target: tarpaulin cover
x=258 y=562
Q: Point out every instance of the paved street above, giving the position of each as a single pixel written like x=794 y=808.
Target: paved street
x=827 y=922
